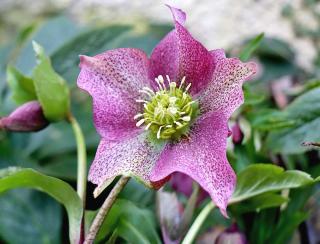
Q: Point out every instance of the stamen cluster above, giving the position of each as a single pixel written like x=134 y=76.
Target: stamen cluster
x=169 y=111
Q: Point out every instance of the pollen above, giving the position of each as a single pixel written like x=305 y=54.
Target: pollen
x=169 y=110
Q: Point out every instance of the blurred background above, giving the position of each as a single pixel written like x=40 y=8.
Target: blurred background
x=289 y=66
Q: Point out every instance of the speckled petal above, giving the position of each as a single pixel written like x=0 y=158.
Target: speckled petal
x=202 y=156
x=134 y=156
x=224 y=92
x=179 y=54
x=113 y=79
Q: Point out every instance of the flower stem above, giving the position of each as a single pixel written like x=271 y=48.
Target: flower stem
x=103 y=211
x=82 y=159
x=195 y=227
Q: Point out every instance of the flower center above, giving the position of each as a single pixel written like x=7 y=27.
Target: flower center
x=168 y=111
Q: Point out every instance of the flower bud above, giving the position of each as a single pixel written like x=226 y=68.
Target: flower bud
x=169 y=211
x=27 y=117
x=237 y=135
x=182 y=183
x=231 y=235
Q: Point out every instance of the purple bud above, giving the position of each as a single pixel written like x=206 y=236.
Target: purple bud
x=182 y=183
x=27 y=117
x=237 y=135
x=169 y=211
x=231 y=235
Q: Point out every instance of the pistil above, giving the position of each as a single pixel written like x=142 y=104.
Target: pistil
x=169 y=110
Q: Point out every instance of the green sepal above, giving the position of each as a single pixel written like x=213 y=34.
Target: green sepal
x=21 y=86
x=51 y=89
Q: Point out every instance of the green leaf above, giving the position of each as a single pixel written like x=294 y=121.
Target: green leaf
x=24 y=217
x=12 y=178
x=251 y=47
x=133 y=224
x=275 y=49
x=52 y=91
x=304 y=117
x=262 y=178
x=292 y=216
x=263 y=201
x=252 y=97
x=51 y=34
x=22 y=87
x=65 y=60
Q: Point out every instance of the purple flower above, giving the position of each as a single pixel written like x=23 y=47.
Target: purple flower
x=27 y=117
x=237 y=134
x=164 y=114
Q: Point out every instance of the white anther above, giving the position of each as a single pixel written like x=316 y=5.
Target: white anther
x=173 y=84
x=169 y=126
x=182 y=113
x=141 y=101
x=160 y=78
x=137 y=116
x=186 y=118
x=173 y=100
x=159 y=131
x=173 y=110
x=182 y=82
x=159 y=85
x=188 y=87
x=178 y=123
x=161 y=81
x=148 y=126
x=140 y=122
x=148 y=89
x=168 y=79
x=146 y=92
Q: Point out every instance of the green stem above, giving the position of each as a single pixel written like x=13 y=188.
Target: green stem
x=103 y=211
x=82 y=159
x=195 y=227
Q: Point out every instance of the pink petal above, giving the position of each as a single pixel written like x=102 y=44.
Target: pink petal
x=203 y=157
x=224 y=92
x=113 y=79
x=184 y=184
x=134 y=156
x=177 y=14
x=179 y=54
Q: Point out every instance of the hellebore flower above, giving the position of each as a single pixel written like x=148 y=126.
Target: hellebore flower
x=28 y=117
x=164 y=114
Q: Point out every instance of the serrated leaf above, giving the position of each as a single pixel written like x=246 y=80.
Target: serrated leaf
x=304 y=115
x=251 y=47
x=22 y=87
x=13 y=177
x=66 y=59
x=262 y=178
x=52 y=91
x=260 y=202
